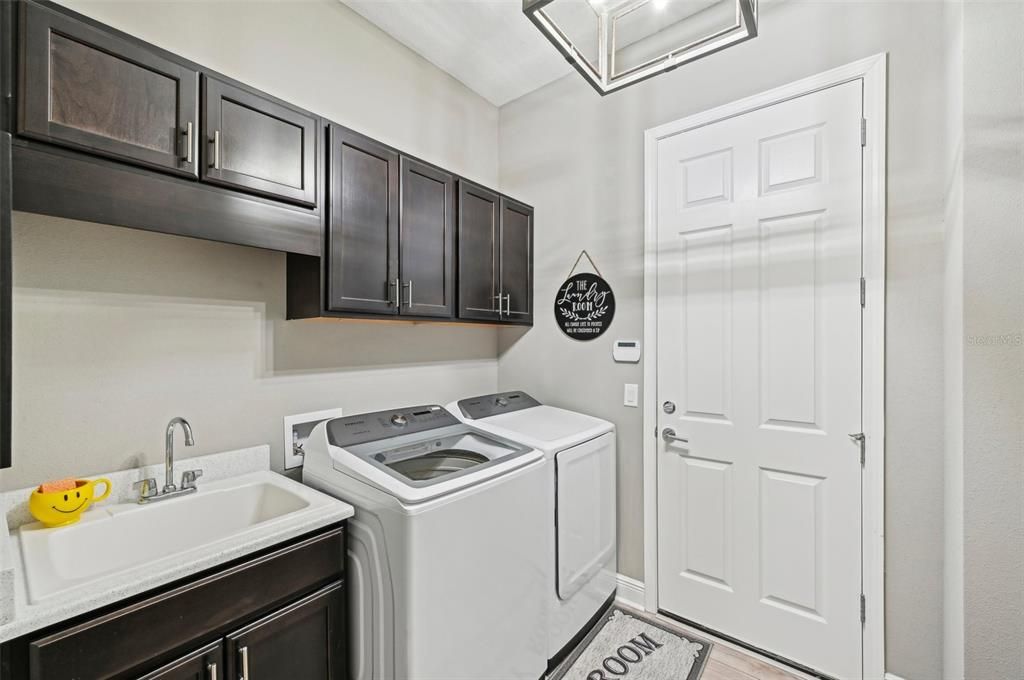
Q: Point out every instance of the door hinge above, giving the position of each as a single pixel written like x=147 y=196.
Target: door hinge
x=863 y=131
x=863 y=608
x=859 y=439
x=863 y=292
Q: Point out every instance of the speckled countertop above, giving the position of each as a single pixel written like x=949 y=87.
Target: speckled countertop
x=19 y=615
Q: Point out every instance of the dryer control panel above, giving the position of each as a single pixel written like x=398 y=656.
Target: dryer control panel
x=475 y=408
x=370 y=427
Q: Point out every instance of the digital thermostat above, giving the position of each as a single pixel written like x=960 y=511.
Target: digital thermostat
x=626 y=351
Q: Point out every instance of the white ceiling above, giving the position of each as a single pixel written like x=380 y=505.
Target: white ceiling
x=489 y=45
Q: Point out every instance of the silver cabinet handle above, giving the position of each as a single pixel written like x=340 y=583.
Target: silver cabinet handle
x=499 y=297
x=393 y=294
x=244 y=651
x=508 y=304
x=408 y=300
x=216 y=149
x=669 y=435
x=188 y=142
x=212 y=670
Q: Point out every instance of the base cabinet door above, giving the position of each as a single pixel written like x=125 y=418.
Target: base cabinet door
x=258 y=145
x=203 y=664
x=516 y=262
x=303 y=640
x=478 y=252
x=427 y=240
x=83 y=87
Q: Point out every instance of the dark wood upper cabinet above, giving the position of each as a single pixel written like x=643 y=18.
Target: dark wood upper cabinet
x=303 y=640
x=495 y=257
x=87 y=88
x=203 y=664
x=516 y=261
x=257 y=144
x=391 y=233
x=427 y=240
x=478 y=252
x=362 y=227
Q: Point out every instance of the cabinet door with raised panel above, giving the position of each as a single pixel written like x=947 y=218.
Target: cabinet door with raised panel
x=203 y=664
x=304 y=640
x=478 y=252
x=427 y=241
x=362 y=229
x=517 y=261
x=94 y=90
x=258 y=144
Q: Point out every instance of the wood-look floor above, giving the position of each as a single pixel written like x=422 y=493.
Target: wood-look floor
x=729 y=662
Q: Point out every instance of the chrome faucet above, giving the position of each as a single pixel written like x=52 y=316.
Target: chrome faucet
x=169 y=448
x=148 y=488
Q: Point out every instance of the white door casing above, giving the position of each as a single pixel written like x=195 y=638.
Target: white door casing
x=757 y=265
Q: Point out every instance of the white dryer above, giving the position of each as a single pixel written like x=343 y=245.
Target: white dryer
x=446 y=572
x=580 y=502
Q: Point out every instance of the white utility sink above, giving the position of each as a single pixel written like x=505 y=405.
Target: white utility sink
x=111 y=540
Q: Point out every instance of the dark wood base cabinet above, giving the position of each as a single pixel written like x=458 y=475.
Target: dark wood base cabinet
x=279 y=614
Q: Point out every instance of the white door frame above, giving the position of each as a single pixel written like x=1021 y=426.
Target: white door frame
x=873 y=72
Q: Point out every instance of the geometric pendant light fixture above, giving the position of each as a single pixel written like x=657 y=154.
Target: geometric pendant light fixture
x=616 y=43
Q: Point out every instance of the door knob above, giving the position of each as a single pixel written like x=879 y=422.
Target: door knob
x=669 y=435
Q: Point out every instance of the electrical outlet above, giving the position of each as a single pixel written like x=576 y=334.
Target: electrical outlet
x=631 y=395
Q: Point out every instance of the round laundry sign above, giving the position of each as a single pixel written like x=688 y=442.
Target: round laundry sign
x=584 y=306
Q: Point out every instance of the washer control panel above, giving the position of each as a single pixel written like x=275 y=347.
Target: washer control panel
x=494 y=404
x=368 y=427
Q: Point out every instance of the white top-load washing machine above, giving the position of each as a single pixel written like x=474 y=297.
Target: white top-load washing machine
x=580 y=493
x=447 y=567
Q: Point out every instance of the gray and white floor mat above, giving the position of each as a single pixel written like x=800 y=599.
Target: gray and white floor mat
x=626 y=645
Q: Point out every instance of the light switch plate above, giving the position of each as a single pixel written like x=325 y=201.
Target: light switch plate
x=296 y=431
x=631 y=395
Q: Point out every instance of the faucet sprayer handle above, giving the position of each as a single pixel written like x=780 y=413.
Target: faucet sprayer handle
x=147 y=488
x=189 y=477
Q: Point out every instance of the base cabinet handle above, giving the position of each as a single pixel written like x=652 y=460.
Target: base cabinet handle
x=244 y=653
x=212 y=670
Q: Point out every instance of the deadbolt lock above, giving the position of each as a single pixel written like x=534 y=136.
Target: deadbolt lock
x=668 y=407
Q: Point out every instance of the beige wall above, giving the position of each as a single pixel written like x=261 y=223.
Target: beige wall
x=116 y=331
x=993 y=355
x=579 y=159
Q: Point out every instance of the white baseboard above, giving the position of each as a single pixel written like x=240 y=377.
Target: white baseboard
x=631 y=592
x=891 y=676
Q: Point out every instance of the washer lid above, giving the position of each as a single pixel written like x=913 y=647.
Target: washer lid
x=545 y=427
x=420 y=466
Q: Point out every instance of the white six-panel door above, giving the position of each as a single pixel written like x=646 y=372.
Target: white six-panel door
x=759 y=351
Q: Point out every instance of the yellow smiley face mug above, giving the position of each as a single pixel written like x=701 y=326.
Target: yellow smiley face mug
x=63 y=502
